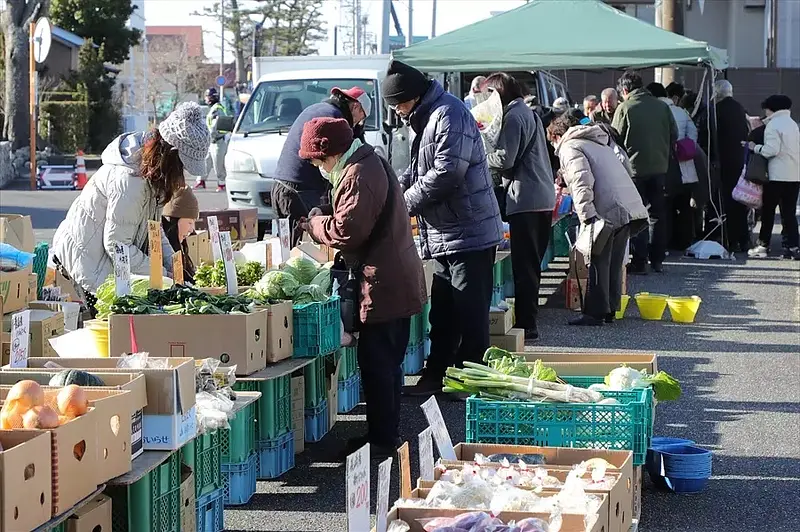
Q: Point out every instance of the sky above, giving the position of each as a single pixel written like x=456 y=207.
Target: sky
x=450 y=15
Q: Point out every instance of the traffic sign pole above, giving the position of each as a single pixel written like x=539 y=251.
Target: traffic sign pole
x=32 y=89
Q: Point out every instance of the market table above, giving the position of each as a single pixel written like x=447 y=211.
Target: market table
x=54 y=522
x=279 y=369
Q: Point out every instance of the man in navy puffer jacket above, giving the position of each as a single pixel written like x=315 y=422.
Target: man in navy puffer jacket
x=448 y=188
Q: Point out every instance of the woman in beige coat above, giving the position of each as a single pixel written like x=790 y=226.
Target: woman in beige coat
x=598 y=175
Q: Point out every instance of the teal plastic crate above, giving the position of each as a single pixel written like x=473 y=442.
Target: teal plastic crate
x=548 y=257
x=274 y=407
x=203 y=455
x=152 y=503
x=59 y=528
x=348 y=362
x=239 y=442
x=314 y=377
x=275 y=457
x=585 y=426
x=211 y=512
x=40 y=265
x=317 y=328
x=415 y=331
x=498 y=277
x=414 y=360
x=349 y=394
x=426 y=319
x=559 y=240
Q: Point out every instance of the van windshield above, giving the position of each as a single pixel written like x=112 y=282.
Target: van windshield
x=274 y=105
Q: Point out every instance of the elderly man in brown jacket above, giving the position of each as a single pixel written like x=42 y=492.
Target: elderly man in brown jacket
x=369 y=223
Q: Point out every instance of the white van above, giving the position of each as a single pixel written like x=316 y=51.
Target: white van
x=285 y=87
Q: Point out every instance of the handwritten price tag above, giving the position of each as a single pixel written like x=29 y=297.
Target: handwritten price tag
x=285 y=236
x=177 y=267
x=230 y=267
x=440 y=433
x=51 y=293
x=122 y=270
x=358 y=490
x=20 y=339
x=382 y=506
x=71 y=313
x=213 y=236
x=156 y=255
x=269 y=256
x=426 y=454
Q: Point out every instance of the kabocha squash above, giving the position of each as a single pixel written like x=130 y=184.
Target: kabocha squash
x=74 y=376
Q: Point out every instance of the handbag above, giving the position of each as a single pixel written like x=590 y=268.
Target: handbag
x=349 y=278
x=593 y=237
x=685 y=149
x=755 y=167
x=748 y=193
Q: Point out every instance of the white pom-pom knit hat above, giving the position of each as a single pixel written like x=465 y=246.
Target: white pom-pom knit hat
x=185 y=129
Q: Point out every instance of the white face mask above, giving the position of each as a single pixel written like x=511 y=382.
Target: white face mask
x=325 y=174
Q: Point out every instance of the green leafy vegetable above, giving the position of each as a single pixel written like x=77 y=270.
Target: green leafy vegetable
x=107 y=295
x=308 y=293
x=210 y=275
x=665 y=386
x=276 y=284
x=543 y=373
x=301 y=268
x=249 y=273
x=324 y=280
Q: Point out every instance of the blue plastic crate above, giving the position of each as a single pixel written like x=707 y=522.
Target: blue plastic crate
x=414 y=360
x=211 y=512
x=317 y=328
x=317 y=420
x=275 y=457
x=426 y=348
x=349 y=394
x=240 y=480
x=498 y=294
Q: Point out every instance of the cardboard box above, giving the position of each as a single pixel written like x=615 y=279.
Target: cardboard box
x=572 y=294
x=637 y=492
x=298 y=413
x=242 y=223
x=26 y=479
x=513 y=340
x=17 y=230
x=500 y=322
x=133 y=383
x=233 y=339
x=15 y=290
x=333 y=395
x=199 y=248
x=594 y=364
x=45 y=324
x=280 y=331
x=188 y=505
x=169 y=419
x=94 y=516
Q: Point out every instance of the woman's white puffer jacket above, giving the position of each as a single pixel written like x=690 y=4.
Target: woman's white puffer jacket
x=115 y=206
x=781 y=147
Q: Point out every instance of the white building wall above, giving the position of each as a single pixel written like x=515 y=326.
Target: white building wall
x=788 y=34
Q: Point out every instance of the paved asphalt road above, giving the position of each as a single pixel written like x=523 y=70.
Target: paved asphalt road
x=739 y=367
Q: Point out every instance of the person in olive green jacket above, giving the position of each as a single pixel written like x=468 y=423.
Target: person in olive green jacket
x=648 y=133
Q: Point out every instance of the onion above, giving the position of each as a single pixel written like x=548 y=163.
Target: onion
x=25 y=395
x=72 y=401
x=10 y=420
x=40 y=417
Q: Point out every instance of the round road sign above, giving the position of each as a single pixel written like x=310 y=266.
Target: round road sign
x=221 y=80
x=41 y=39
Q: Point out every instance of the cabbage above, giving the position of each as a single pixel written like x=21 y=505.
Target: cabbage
x=324 y=280
x=308 y=293
x=276 y=284
x=303 y=269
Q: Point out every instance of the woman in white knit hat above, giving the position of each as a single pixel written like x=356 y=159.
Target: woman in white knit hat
x=140 y=174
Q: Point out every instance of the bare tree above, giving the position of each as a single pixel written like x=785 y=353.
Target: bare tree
x=172 y=73
x=15 y=21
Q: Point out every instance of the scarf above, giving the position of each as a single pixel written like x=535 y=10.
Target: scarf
x=335 y=175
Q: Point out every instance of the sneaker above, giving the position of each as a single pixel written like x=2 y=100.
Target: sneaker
x=199 y=184
x=636 y=269
x=587 y=321
x=220 y=188
x=758 y=252
x=424 y=388
x=657 y=267
x=791 y=253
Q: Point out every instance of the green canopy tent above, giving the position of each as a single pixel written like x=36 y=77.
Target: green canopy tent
x=559 y=34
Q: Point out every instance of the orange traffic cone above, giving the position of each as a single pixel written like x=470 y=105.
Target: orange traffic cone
x=80 y=171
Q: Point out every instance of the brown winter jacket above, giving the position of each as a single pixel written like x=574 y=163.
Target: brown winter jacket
x=394 y=284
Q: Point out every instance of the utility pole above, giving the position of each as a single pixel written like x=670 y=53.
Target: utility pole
x=671 y=19
x=410 y=32
x=433 y=19
x=222 y=38
x=386 y=13
x=359 y=26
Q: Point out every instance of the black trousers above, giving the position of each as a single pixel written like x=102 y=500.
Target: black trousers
x=530 y=234
x=381 y=349
x=651 y=244
x=605 y=276
x=681 y=216
x=290 y=202
x=779 y=195
x=460 y=299
x=737 y=233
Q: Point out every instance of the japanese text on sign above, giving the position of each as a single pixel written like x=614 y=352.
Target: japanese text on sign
x=156 y=254
x=122 y=270
x=358 y=490
x=440 y=434
x=230 y=267
x=177 y=267
x=20 y=339
x=213 y=235
x=382 y=506
x=285 y=236
x=426 y=454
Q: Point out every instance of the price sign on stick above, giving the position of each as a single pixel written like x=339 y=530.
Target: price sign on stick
x=20 y=339
x=269 y=256
x=285 y=236
x=440 y=433
x=382 y=506
x=156 y=256
x=177 y=267
x=71 y=314
x=358 y=490
x=230 y=267
x=51 y=293
x=122 y=270
x=213 y=235
x=426 y=454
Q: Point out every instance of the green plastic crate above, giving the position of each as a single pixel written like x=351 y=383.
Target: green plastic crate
x=203 y=455
x=584 y=426
x=314 y=376
x=152 y=503
x=59 y=528
x=348 y=362
x=239 y=442
x=317 y=328
x=415 y=332
x=497 y=273
x=559 y=239
x=426 y=319
x=274 y=408
x=40 y=269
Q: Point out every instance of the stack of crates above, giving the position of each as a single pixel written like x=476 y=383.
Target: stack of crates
x=239 y=452
x=204 y=455
x=317 y=415
x=498 y=283
x=415 y=351
x=426 y=330
x=274 y=445
x=151 y=503
x=317 y=328
x=349 y=380
x=508 y=278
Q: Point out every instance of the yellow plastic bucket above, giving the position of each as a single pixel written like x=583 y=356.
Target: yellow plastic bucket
x=651 y=306
x=684 y=309
x=623 y=306
x=99 y=332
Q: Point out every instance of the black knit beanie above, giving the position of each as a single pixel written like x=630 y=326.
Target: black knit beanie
x=403 y=83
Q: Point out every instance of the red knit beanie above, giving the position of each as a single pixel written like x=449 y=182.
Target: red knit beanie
x=325 y=137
